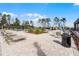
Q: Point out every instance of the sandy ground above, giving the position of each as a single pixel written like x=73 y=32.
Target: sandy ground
x=46 y=44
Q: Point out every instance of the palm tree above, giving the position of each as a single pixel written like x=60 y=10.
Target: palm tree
x=63 y=20
x=23 y=25
x=31 y=23
x=9 y=18
x=39 y=22
x=26 y=24
x=56 y=22
x=42 y=22
x=47 y=21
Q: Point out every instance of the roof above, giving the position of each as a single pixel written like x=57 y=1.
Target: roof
x=77 y=21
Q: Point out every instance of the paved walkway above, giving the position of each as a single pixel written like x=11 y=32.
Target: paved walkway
x=45 y=44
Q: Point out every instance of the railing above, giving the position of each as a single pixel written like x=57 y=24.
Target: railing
x=75 y=36
x=75 y=33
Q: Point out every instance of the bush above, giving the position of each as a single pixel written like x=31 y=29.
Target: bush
x=38 y=30
x=30 y=30
x=35 y=30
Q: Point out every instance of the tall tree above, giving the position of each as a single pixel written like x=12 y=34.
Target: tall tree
x=39 y=22
x=26 y=24
x=43 y=22
x=47 y=21
x=63 y=20
x=31 y=23
x=4 y=20
x=56 y=22
x=8 y=19
x=23 y=24
x=16 y=24
x=0 y=19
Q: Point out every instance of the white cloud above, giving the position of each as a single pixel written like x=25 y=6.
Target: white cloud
x=34 y=15
x=76 y=4
x=29 y=14
x=12 y=14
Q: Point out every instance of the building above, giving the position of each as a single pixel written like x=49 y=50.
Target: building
x=76 y=25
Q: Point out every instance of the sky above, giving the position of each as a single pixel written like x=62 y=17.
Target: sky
x=34 y=11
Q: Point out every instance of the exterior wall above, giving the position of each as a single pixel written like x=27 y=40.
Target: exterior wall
x=76 y=27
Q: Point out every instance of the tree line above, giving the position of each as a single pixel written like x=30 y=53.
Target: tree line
x=5 y=22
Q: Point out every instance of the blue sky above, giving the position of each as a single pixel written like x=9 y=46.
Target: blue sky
x=33 y=11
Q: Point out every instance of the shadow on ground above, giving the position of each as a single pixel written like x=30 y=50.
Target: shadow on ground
x=39 y=51
x=60 y=43
x=57 y=42
x=55 y=36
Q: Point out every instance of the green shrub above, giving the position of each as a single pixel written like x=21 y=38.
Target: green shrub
x=35 y=30
x=30 y=30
